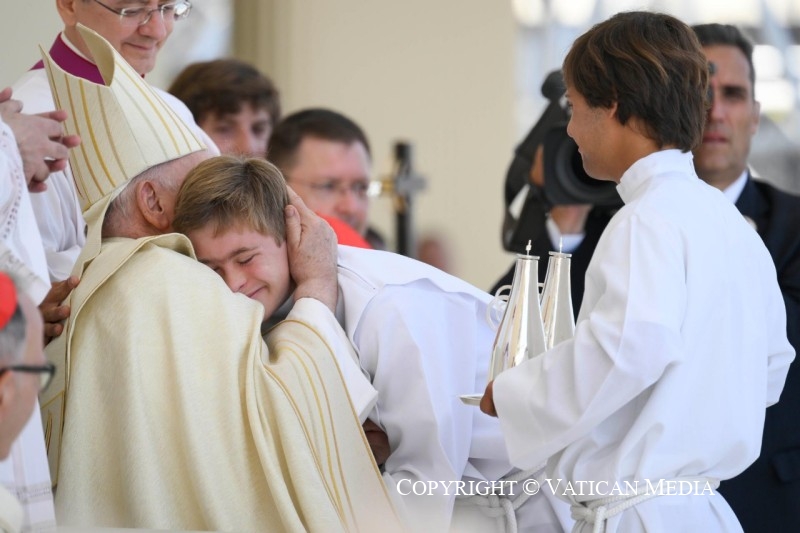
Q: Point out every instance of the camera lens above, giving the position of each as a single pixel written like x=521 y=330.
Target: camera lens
x=566 y=181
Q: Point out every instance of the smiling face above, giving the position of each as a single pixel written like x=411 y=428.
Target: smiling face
x=732 y=119
x=250 y=263
x=139 y=45
x=592 y=129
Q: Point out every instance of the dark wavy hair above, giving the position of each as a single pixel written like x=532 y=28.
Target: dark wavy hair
x=649 y=64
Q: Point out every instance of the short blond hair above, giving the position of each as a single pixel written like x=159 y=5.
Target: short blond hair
x=226 y=191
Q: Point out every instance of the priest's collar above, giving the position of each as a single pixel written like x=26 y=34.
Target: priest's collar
x=635 y=179
x=67 y=56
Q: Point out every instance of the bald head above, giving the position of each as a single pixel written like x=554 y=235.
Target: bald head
x=146 y=206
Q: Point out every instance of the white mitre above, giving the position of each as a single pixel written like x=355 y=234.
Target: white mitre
x=125 y=127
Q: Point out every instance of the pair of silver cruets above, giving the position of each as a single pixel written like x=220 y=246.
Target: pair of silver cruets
x=529 y=322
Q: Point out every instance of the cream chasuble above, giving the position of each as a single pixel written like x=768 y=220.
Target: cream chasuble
x=178 y=416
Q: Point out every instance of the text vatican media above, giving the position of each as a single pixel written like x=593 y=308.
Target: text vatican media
x=558 y=487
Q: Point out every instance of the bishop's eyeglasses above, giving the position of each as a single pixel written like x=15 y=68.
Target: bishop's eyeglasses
x=142 y=15
x=45 y=371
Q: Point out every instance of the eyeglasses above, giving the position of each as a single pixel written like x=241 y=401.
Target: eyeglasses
x=46 y=373
x=328 y=189
x=141 y=15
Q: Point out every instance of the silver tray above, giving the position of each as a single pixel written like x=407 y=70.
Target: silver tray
x=471 y=399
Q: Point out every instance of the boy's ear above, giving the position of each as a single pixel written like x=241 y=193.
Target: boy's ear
x=151 y=205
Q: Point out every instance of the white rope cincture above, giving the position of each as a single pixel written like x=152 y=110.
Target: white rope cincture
x=495 y=506
x=597 y=512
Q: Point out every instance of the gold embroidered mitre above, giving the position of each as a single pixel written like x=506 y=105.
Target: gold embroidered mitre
x=125 y=127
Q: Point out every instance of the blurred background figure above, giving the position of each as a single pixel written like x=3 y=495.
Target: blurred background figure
x=434 y=249
x=764 y=496
x=234 y=103
x=325 y=157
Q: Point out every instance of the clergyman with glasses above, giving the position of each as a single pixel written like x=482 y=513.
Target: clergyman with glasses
x=137 y=29
x=325 y=157
x=24 y=372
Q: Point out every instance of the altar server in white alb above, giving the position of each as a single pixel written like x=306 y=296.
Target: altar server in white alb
x=137 y=30
x=680 y=344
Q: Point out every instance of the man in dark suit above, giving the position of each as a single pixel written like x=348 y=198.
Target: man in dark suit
x=765 y=496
